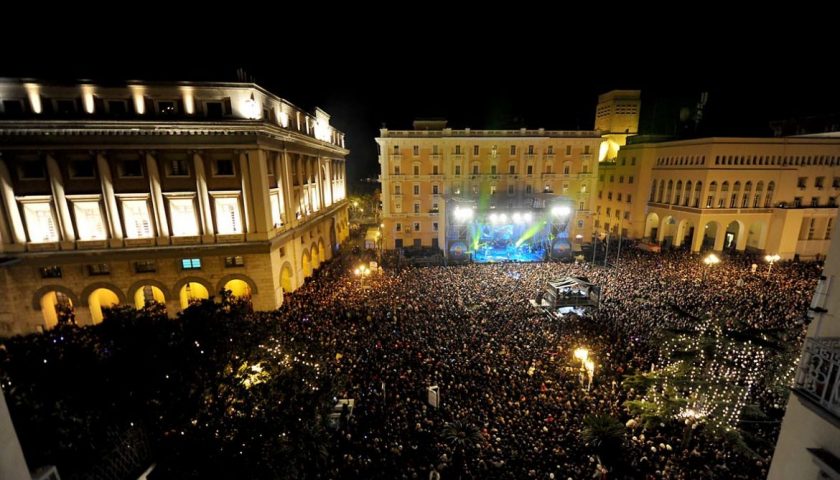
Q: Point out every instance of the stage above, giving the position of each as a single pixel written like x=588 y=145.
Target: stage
x=509 y=253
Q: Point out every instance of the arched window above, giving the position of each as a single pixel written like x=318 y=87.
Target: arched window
x=768 y=200
x=669 y=192
x=678 y=193
x=698 y=189
x=710 y=201
x=661 y=191
x=687 y=193
x=733 y=201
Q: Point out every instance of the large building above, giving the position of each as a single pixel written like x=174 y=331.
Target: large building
x=170 y=192
x=486 y=192
x=809 y=442
x=617 y=118
x=775 y=195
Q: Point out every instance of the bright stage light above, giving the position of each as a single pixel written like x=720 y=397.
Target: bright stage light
x=528 y=218
x=517 y=218
x=502 y=217
x=493 y=218
x=561 y=211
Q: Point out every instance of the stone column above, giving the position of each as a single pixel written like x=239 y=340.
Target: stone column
x=158 y=205
x=245 y=188
x=110 y=200
x=65 y=220
x=203 y=199
x=259 y=195
x=10 y=203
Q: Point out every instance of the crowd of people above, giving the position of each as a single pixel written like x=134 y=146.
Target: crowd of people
x=511 y=404
x=508 y=369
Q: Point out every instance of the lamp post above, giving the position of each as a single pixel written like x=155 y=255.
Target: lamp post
x=771 y=259
x=710 y=260
x=582 y=354
x=362 y=271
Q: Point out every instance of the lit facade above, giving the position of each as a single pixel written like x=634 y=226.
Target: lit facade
x=776 y=195
x=809 y=442
x=617 y=117
x=516 y=173
x=160 y=192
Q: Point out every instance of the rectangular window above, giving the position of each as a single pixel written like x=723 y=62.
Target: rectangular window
x=627 y=215
x=99 y=269
x=530 y=149
x=457 y=149
x=434 y=170
x=609 y=195
x=147 y=266
x=586 y=149
x=475 y=150
x=416 y=226
x=815 y=201
x=237 y=261
x=416 y=151
x=131 y=168
x=417 y=169
x=819 y=182
x=621 y=179
x=630 y=179
x=32 y=170
x=396 y=169
x=398 y=227
x=214 y=109
x=529 y=169
x=550 y=150
x=457 y=169
x=276 y=210
x=612 y=178
x=224 y=168
x=801 y=182
x=528 y=189
x=435 y=150
x=475 y=169
x=138 y=223
x=12 y=107
x=629 y=198
x=50 y=272
x=89 y=221
x=417 y=189
x=228 y=220
x=182 y=211
x=435 y=189
x=190 y=263
x=179 y=168
x=619 y=197
x=568 y=150
x=40 y=222
x=397 y=190
x=81 y=169
x=435 y=226
x=513 y=149
x=416 y=208
x=492 y=169
x=797 y=202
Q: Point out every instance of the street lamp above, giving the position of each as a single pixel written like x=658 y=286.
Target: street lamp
x=582 y=354
x=362 y=271
x=590 y=370
x=710 y=260
x=771 y=259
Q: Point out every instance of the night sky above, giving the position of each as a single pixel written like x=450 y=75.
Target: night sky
x=364 y=85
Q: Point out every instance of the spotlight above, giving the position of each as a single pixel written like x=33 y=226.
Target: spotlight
x=528 y=217
x=502 y=217
x=517 y=218
x=561 y=211
x=494 y=218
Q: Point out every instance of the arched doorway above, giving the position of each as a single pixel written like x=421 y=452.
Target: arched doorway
x=56 y=307
x=685 y=232
x=287 y=278
x=667 y=230
x=652 y=227
x=192 y=292
x=733 y=232
x=710 y=232
x=239 y=289
x=306 y=266
x=316 y=260
x=99 y=299
x=148 y=295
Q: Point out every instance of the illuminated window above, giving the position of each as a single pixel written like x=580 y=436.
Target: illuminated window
x=182 y=211
x=190 y=263
x=227 y=216
x=276 y=211
x=50 y=272
x=40 y=222
x=138 y=223
x=89 y=221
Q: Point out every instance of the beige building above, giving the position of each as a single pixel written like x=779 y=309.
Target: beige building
x=775 y=195
x=160 y=192
x=617 y=117
x=809 y=442
x=440 y=185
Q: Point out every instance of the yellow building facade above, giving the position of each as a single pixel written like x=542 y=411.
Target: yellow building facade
x=776 y=195
x=516 y=173
x=164 y=193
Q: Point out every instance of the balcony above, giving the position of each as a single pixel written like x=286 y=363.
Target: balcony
x=434 y=156
x=548 y=156
x=818 y=376
x=457 y=156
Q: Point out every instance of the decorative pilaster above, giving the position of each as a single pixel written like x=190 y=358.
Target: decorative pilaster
x=157 y=200
x=110 y=200
x=203 y=199
x=18 y=233
x=68 y=234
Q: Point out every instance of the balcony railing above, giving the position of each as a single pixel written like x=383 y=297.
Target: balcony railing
x=818 y=376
